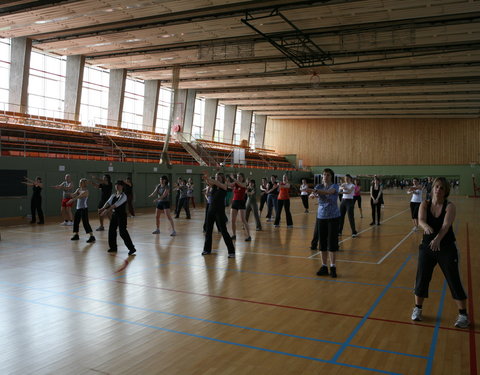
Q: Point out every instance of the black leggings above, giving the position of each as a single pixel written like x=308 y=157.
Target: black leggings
x=217 y=216
x=376 y=210
x=183 y=203
x=347 y=206
x=263 y=200
x=304 y=201
x=447 y=258
x=120 y=222
x=283 y=203
x=36 y=206
x=81 y=214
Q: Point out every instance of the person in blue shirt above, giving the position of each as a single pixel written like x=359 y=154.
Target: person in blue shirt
x=326 y=226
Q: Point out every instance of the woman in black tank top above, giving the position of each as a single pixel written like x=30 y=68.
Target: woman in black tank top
x=438 y=246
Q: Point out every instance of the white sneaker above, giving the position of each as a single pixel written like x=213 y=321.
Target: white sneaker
x=64 y=223
x=156 y=231
x=462 y=321
x=417 y=314
x=415 y=229
x=173 y=234
x=70 y=223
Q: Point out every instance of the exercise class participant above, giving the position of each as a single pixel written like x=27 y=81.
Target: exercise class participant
x=36 y=202
x=283 y=200
x=106 y=187
x=117 y=206
x=376 y=200
x=66 y=208
x=347 y=205
x=81 y=196
x=162 y=190
x=216 y=214
x=238 y=205
x=304 y=194
x=327 y=222
x=438 y=245
x=416 y=190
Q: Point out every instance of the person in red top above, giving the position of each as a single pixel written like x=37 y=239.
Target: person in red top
x=284 y=201
x=239 y=187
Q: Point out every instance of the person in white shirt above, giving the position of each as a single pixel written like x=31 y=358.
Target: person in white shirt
x=117 y=206
x=347 y=205
x=416 y=191
x=66 y=208
x=304 y=194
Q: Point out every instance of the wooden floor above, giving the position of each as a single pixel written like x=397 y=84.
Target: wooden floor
x=71 y=308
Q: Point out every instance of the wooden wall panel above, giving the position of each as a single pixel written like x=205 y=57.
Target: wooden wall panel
x=376 y=141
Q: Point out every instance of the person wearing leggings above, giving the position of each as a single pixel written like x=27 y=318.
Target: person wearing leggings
x=326 y=226
x=417 y=192
x=81 y=214
x=263 y=194
x=438 y=245
x=36 y=202
x=283 y=200
x=117 y=206
x=347 y=205
x=216 y=214
x=376 y=200
x=304 y=194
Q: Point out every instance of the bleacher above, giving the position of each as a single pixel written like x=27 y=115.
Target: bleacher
x=38 y=136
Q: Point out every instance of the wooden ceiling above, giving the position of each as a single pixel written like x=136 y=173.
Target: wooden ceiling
x=386 y=58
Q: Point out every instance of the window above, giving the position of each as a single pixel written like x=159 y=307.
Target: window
x=220 y=124
x=252 y=132
x=163 y=110
x=94 y=103
x=46 y=88
x=198 y=118
x=4 y=72
x=237 y=128
x=132 y=116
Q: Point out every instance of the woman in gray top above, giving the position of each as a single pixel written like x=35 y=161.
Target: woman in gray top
x=162 y=191
x=81 y=196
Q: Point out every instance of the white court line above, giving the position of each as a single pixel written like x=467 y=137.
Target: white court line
x=365 y=230
x=395 y=247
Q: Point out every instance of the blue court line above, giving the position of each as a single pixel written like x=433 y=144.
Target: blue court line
x=431 y=353
x=53 y=293
x=369 y=312
x=197 y=336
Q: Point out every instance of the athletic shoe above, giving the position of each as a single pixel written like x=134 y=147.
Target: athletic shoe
x=100 y=228
x=70 y=223
x=277 y=226
x=75 y=237
x=173 y=234
x=234 y=238
x=269 y=220
x=333 y=272
x=204 y=252
x=248 y=239
x=415 y=229
x=41 y=222
x=289 y=226
x=323 y=271
x=417 y=314
x=131 y=252
x=378 y=223
x=112 y=250
x=354 y=234
x=259 y=229
x=462 y=321
x=313 y=248
x=91 y=239
x=231 y=255
x=64 y=223
x=156 y=231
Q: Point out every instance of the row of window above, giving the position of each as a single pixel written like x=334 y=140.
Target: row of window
x=46 y=92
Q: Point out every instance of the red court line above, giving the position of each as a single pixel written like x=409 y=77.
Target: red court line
x=473 y=346
x=287 y=306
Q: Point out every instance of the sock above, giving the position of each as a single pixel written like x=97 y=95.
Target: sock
x=332 y=265
x=462 y=311
x=324 y=265
x=419 y=306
